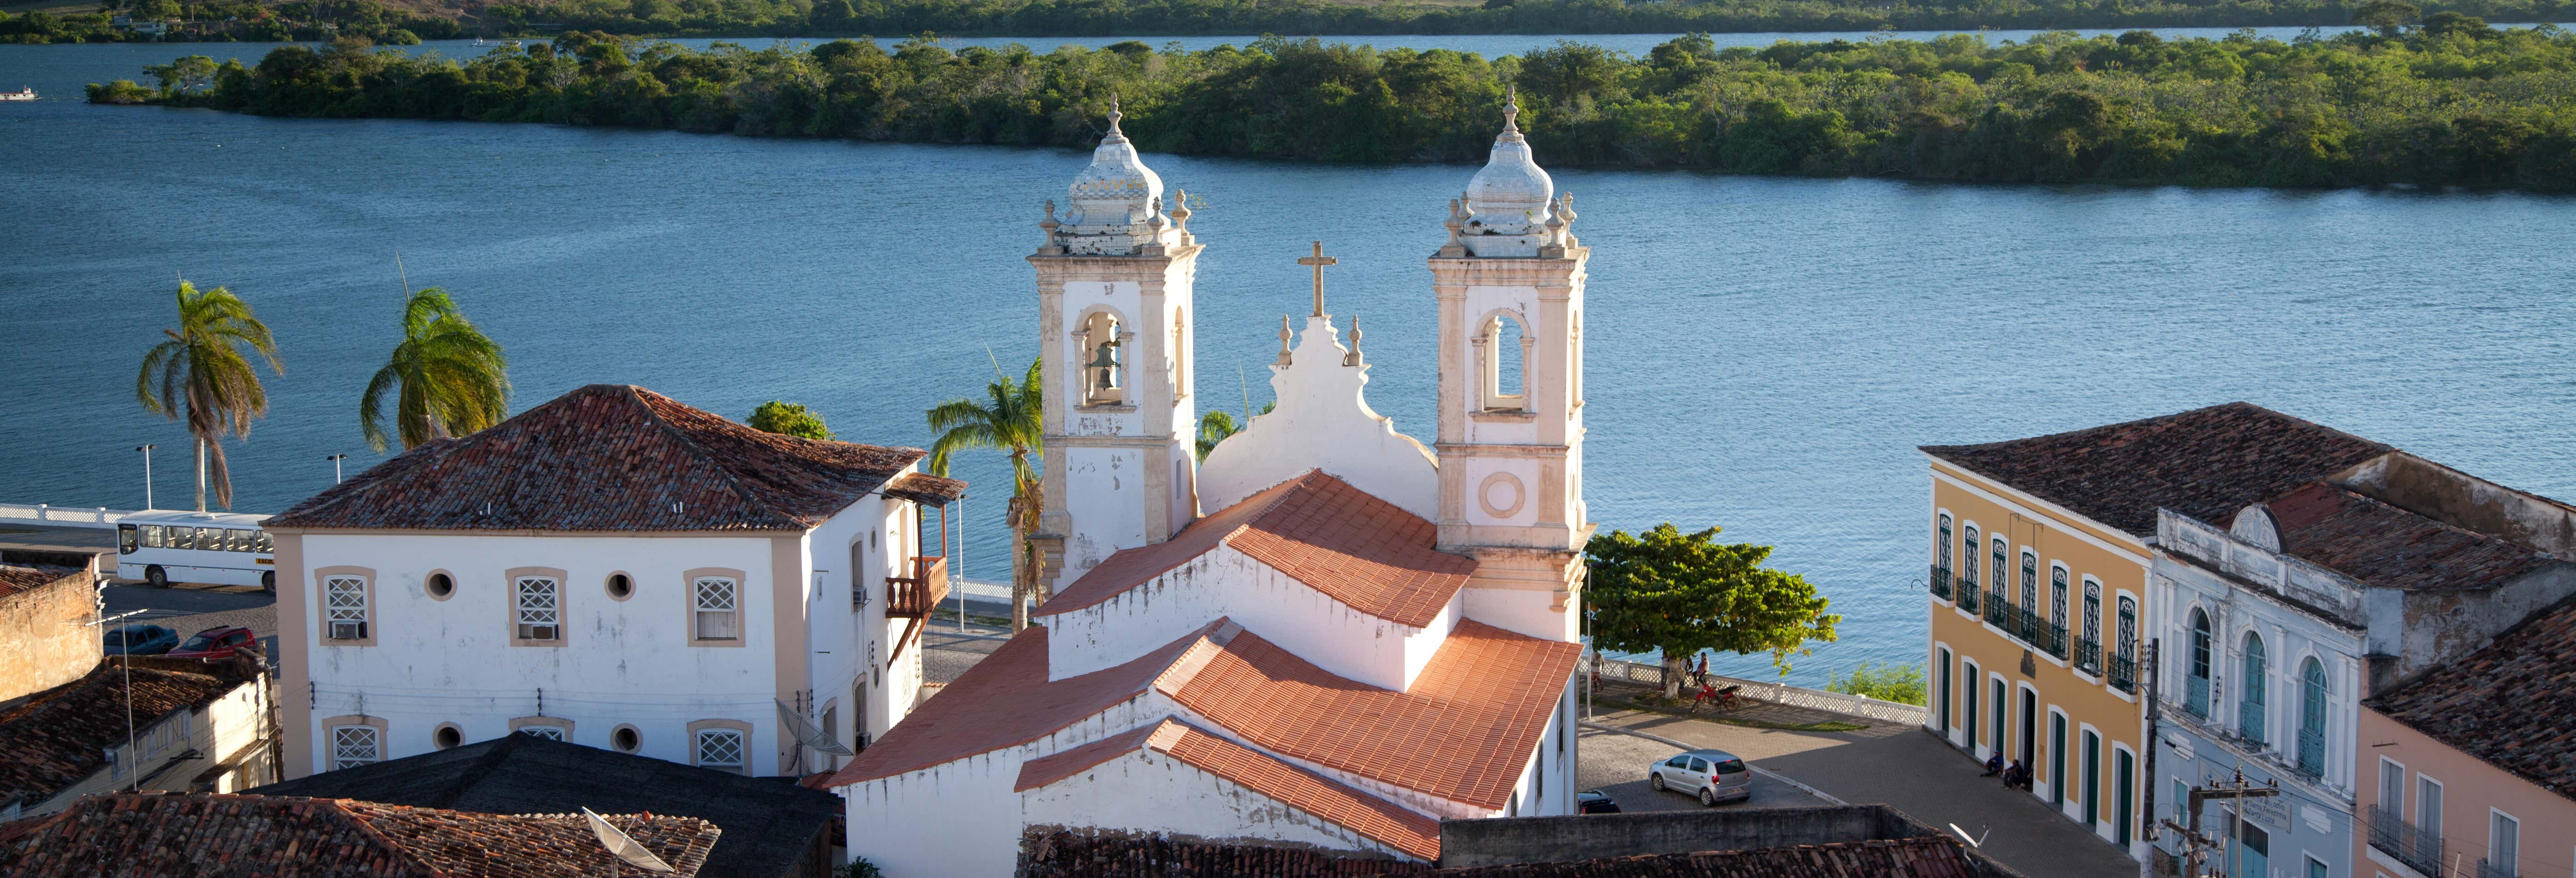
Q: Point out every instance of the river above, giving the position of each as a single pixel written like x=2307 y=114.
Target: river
x=1765 y=352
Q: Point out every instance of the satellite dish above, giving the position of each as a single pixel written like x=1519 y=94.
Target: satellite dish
x=1978 y=842
x=623 y=845
x=807 y=734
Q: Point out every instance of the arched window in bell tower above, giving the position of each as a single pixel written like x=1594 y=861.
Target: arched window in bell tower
x=1104 y=360
x=1503 y=344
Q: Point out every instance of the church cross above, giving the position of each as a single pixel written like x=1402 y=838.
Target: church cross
x=1319 y=260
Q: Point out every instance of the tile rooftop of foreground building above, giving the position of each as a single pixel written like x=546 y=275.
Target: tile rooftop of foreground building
x=1074 y=855
x=1334 y=801
x=607 y=457
x=57 y=737
x=2506 y=704
x=2206 y=463
x=16 y=578
x=224 y=836
x=1318 y=529
x=768 y=826
x=2389 y=547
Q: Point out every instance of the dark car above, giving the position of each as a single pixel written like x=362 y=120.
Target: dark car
x=140 y=640
x=1595 y=802
x=217 y=643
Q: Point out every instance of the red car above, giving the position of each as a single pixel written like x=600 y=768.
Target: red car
x=217 y=643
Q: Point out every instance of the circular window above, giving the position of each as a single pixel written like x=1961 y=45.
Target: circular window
x=447 y=736
x=440 y=585
x=620 y=586
x=625 y=739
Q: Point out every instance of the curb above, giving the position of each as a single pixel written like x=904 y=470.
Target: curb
x=1765 y=772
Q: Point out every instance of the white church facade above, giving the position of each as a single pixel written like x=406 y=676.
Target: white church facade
x=616 y=569
x=1326 y=634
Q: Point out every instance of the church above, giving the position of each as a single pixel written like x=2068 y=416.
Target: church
x=1326 y=635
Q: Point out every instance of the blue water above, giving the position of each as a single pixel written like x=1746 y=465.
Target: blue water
x=1765 y=353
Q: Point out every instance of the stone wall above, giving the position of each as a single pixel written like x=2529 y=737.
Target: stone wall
x=50 y=640
x=1559 y=839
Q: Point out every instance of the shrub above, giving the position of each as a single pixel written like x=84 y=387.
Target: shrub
x=1900 y=683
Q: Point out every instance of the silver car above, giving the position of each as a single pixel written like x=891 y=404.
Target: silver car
x=1712 y=775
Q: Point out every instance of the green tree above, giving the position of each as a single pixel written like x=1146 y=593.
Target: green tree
x=447 y=378
x=790 y=419
x=200 y=373
x=1901 y=683
x=1011 y=418
x=1677 y=594
x=2388 y=17
x=187 y=75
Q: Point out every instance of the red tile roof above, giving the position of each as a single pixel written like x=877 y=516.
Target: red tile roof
x=57 y=738
x=1004 y=701
x=2507 y=704
x=1062 y=854
x=926 y=488
x=1298 y=788
x=16 y=579
x=1356 y=548
x=1463 y=732
x=222 y=836
x=2390 y=547
x=607 y=457
x=2206 y=463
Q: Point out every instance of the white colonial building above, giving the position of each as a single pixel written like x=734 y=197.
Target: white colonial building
x=611 y=568
x=1326 y=635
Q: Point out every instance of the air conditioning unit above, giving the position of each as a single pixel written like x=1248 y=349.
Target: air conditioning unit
x=537 y=632
x=349 y=630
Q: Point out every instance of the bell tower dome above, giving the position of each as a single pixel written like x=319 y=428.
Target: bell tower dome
x=1510 y=287
x=1114 y=282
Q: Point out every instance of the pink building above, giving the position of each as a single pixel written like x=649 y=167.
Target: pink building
x=2469 y=770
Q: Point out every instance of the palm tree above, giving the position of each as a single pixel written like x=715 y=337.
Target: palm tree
x=1217 y=425
x=1012 y=419
x=446 y=377
x=200 y=372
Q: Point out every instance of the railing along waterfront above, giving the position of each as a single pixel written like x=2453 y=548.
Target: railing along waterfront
x=1776 y=693
x=1941 y=583
x=2196 y=696
x=2409 y=843
x=66 y=516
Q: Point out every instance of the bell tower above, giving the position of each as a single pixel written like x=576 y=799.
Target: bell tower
x=1510 y=287
x=1114 y=281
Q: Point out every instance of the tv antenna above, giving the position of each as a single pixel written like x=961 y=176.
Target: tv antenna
x=625 y=847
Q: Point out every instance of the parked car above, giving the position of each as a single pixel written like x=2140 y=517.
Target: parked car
x=216 y=643
x=1712 y=775
x=1595 y=802
x=140 y=639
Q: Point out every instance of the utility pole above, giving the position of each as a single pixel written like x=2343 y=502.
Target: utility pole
x=2196 y=846
x=2147 y=774
x=147 y=473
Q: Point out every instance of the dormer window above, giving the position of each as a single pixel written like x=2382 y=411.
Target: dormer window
x=1503 y=347
x=1104 y=362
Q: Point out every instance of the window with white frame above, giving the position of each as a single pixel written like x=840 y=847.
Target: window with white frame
x=720 y=748
x=1968 y=549
x=540 y=608
x=2504 y=845
x=355 y=745
x=344 y=607
x=719 y=609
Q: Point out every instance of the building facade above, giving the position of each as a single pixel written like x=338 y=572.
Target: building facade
x=610 y=568
x=47 y=613
x=138 y=723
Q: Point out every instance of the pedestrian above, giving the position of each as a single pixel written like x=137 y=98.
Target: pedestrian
x=1699 y=671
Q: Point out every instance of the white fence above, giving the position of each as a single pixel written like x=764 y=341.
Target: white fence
x=61 y=516
x=1776 y=693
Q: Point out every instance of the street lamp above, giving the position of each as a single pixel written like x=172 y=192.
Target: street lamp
x=335 y=466
x=147 y=473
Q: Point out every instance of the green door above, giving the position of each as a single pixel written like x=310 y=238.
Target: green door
x=2092 y=779
x=2057 y=760
x=2128 y=797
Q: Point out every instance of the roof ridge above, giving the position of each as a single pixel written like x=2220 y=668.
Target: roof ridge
x=700 y=453
x=2170 y=416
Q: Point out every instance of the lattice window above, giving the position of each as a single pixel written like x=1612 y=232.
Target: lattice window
x=355 y=745
x=344 y=607
x=540 y=608
x=551 y=733
x=720 y=748
x=718 y=609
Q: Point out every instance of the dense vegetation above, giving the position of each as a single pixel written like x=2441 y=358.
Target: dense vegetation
x=2447 y=102
x=225 y=20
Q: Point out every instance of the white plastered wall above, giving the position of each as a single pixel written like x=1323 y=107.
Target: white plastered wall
x=1323 y=422
x=951 y=819
x=1226 y=583
x=1523 y=611
x=1105 y=487
x=1150 y=791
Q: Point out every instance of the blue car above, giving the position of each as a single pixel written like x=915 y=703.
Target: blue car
x=141 y=640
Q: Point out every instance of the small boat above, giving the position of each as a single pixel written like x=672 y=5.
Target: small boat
x=22 y=94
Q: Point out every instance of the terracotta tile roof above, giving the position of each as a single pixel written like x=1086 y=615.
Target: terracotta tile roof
x=222 y=836
x=1463 y=732
x=1306 y=791
x=1360 y=550
x=1004 y=701
x=2206 y=463
x=57 y=738
x=2506 y=704
x=926 y=488
x=607 y=457
x=15 y=579
x=768 y=826
x=2391 y=547
x=1063 y=854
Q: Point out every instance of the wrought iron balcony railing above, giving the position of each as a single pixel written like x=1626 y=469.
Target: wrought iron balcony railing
x=2088 y=655
x=1996 y=609
x=2249 y=724
x=2124 y=670
x=2409 y=843
x=2312 y=752
x=1941 y=582
x=2488 y=869
x=1967 y=595
x=2056 y=644
x=2195 y=697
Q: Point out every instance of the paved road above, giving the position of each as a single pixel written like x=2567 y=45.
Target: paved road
x=1616 y=764
x=189 y=609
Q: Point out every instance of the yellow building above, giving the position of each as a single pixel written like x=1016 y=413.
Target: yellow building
x=2038 y=586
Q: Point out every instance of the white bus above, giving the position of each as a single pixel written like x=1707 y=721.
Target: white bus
x=160 y=546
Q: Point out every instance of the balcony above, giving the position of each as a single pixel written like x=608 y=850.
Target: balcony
x=913 y=597
x=2409 y=843
x=2124 y=670
x=2056 y=644
x=1998 y=612
x=2249 y=724
x=2195 y=697
x=2312 y=753
x=1967 y=595
x=1941 y=583
x=2088 y=655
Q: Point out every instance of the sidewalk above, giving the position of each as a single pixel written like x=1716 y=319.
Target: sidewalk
x=1903 y=767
